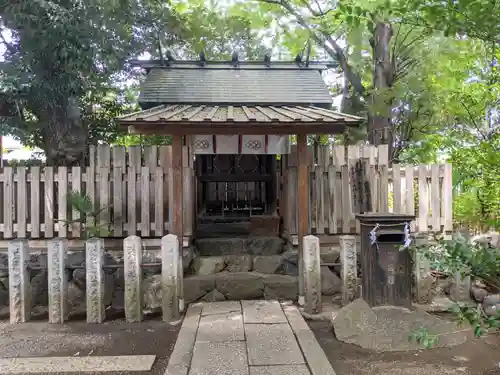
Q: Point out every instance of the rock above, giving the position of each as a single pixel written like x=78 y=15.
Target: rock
x=290 y=263
x=330 y=254
x=240 y=285
x=195 y=287
x=76 y=299
x=188 y=255
x=491 y=310
x=438 y=304
x=4 y=283
x=491 y=300
x=4 y=297
x=442 y=287
x=238 y=263
x=4 y=262
x=150 y=256
x=281 y=287
x=387 y=328
x=40 y=289
x=268 y=264
x=330 y=282
x=479 y=294
x=208 y=265
x=118 y=301
x=213 y=296
x=152 y=292
x=76 y=258
x=109 y=259
x=240 y=246
x=79 y=278
x=354 y=322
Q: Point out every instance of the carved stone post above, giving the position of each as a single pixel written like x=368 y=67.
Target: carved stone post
x=132 y=248
x=19 y=282
x=460 y=288
x=422 y=272
x=312 y=274
x=349 y=268
x=57 y=254
x=94 y=262
x=169 y=277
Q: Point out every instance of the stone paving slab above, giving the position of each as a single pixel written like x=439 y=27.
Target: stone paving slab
x=219 y=358
x=313 y=353
x=218 y=308
x=76 y=364
x=263 y=312
x=272 y=344
x=221 y=328
x=280 y=370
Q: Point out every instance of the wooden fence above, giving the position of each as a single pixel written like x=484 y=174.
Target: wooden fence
x=132 y=188
x=424 y=190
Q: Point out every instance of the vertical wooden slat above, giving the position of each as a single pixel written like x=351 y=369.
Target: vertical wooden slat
x=62 y=201
x=159 y=185
x=320 y=194
x=410 y=193
x=332 y=196
x=303 y=203
x=145 y=217
x=103 y=156
x=76 y=187
x=176 y=199
x=90 y=187
x=353 y=155
x=292 y=200
x=35 y=202
x=135 y=160
x=447 y=198
x=435 y=201
x=49 y=202
x=339 y=161
x=396 y=188
x=423 y=199
x=104 y=219
x=118 y=211
x=22 y=202
x=132 y=200
x=119 y=161
x=92 y=156
x=188 y=192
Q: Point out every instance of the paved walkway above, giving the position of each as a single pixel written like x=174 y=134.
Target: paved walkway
x=246 y=338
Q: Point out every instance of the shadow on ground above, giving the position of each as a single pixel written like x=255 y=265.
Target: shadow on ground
x=475 y=357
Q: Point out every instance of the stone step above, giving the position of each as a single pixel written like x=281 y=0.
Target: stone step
x=222 y=219
x=240 y=246
x=215 y=230
x=239 y=285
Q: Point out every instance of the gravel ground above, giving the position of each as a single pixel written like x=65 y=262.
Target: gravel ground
x=40 y=339
x=476 y=357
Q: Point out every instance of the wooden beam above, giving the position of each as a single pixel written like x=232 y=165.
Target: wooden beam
x=303 y=203
x=177 y=181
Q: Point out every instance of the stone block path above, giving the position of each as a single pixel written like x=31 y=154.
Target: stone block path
x=246 y=338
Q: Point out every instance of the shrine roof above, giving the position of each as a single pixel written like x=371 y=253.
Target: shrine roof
x=226 y=119
x=230 y=83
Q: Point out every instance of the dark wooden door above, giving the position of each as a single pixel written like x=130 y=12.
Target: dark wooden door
x=240 y=185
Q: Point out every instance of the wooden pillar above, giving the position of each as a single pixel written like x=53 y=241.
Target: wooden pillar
x=303 y=205
x=178 y=203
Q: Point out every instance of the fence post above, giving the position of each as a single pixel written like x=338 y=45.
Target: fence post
x=94 y=262
x=169 y=277
x=132 y=248
x=57 y=254
x=19 y=281
x=349 y=268
x=180 y=279
x=422 y=272
x=312 y=274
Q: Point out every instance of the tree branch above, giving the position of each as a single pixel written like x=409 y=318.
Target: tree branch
x=327 y=42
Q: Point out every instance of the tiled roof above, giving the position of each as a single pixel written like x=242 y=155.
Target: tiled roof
x=228 y=85
x=238 y=114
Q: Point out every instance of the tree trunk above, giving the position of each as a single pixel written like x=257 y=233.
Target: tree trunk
x=64 y=137
x=379 y=118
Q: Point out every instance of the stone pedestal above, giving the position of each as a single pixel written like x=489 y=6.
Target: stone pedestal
x=349 y=268
x=132 y=258
x=57 y=254
x=422 y=272
x=312 y=274
x=94 y=261
x=170 y=277
x=19 y=282
x=460 y=288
